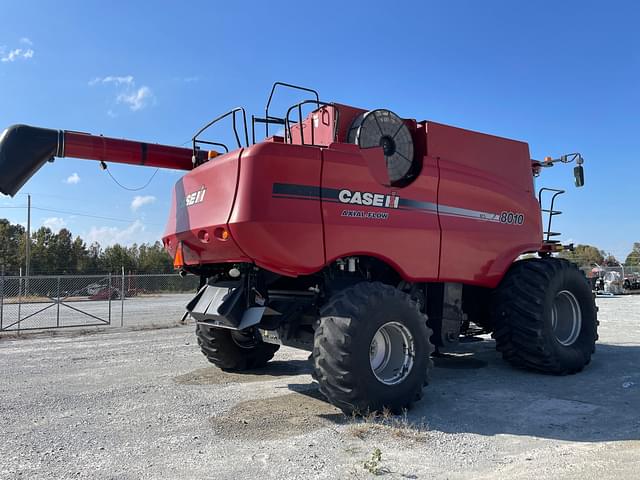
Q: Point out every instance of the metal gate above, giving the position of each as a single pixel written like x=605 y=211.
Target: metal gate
x=31 y=303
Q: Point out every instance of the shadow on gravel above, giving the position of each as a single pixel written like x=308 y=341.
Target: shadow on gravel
x=458 y=361
x=214 y=376
x=600 y=404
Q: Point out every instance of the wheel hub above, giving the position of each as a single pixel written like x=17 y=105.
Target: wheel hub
x=391 y=353
x=566 y=318
x=244 y=340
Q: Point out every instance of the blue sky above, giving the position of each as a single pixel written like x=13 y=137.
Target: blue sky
x=563 y=76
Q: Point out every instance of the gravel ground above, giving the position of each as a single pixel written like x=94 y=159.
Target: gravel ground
x=145 y=404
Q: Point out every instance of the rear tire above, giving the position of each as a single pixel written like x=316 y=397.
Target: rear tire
x=230 y=351
x=545 y=316
x=371 y=349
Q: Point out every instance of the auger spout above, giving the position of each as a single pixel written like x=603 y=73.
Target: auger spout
x=25 y=149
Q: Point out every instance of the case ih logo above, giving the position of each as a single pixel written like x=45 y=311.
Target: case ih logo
x=195 y=197
x=369 y=199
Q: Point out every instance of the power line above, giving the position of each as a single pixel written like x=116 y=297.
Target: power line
x=79 y=214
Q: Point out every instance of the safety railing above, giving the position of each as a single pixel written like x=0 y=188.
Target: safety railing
x=551 y=212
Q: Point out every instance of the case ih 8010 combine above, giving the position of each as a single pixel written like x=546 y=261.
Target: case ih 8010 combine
x=360 y=236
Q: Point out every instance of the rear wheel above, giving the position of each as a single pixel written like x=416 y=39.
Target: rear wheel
x=545 y=316
x=372 y=349
x=234 y=351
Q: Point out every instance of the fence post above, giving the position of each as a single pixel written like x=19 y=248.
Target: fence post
x=109 y=289
x=1 y=297
x=122 y=300
x=58 y=301
x=19 y=298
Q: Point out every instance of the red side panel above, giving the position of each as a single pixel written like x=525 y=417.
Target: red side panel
x=202 y=202
x=274 y=225
x=488 y=212
x=407 y=237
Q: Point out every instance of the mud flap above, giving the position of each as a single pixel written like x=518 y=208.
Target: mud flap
x=217 y=307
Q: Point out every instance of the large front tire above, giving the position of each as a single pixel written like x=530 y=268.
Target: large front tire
x=545 y=316
x=371 y=349
x=233 y=351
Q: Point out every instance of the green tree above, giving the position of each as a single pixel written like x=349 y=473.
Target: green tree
x=585 y=255
x=42 y=261
x=633 y=259
x=154 y=259
x=61 y=253
x=93 y=260
x=61 y=249
x=12 y=239
x=116 y=256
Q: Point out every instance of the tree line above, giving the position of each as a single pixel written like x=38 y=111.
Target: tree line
x=62 y=253
x=589 y=256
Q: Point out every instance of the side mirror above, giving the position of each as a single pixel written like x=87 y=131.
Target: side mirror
x=578 y=174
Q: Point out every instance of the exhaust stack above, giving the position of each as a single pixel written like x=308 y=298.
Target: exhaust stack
x=25 y=149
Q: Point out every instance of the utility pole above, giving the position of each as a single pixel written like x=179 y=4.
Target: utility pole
x=28 y=243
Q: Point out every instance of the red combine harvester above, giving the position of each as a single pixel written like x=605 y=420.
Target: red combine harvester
x=360 y=236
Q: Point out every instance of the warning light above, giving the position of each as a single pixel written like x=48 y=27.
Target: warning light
x=178 y=261
x=548 y=159
x=212 y=154
x=222 y=233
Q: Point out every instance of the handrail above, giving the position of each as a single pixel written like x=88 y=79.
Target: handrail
x=298 y=106
x=550 y=211
x=287 y=85
x=233 y=113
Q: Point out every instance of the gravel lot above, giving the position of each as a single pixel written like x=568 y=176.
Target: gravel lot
x=145 y=404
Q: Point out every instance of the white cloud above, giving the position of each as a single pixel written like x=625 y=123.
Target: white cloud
x=138 y=201
x=124 y=80
x=110 y=235
x=16 y=54
x=26 y=41
x=137 y=99
x=54 y=223
x=73 y=179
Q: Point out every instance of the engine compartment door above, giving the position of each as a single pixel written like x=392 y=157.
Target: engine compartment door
x=362 y=216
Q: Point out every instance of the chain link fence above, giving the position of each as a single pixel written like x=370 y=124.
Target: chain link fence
x=44 y=302
x=613 y=279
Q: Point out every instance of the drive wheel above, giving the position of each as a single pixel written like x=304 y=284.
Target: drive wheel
x=371 y=349
x=545 y=316
x=234 y=351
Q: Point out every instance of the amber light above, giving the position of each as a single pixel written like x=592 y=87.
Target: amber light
x=212 y=154
x=178 y=261
x=221 y=233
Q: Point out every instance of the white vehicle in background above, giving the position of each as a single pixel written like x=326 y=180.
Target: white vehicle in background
x=609 y=282
x=613 y=283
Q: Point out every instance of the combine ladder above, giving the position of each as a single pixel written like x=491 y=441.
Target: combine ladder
x=548 y=233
